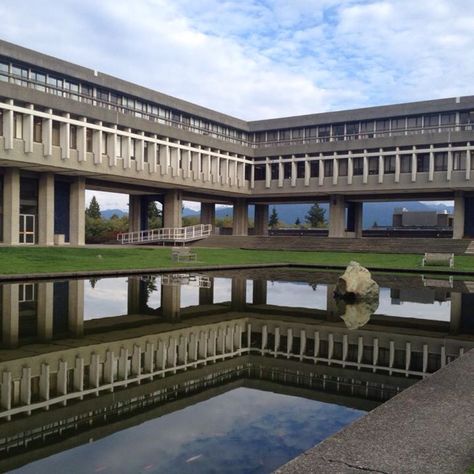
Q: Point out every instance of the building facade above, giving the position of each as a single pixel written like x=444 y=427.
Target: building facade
x=65 y=129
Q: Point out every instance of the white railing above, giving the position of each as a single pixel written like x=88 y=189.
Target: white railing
x=167 y=234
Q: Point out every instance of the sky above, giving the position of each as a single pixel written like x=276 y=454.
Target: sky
x=260 y=59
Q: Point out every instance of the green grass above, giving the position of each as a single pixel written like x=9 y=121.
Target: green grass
x=15 y=260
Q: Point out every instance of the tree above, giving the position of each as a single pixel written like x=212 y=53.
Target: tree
x=315 y=216
x=273 y=221
x=375 y=224
x=154 y=215
x=93 y=211
x=297 y=221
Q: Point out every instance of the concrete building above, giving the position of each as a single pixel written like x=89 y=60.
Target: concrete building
x=421 y=219
x=65 y=129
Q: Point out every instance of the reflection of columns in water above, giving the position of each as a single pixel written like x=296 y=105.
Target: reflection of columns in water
x=10 y=314
x=133 y=295
x=206 y=295
x=76 y=307
x=331 y=307
x=456 y=313
x=171 y=301
x=239 y=293
x=45 y=309
x=259 y=292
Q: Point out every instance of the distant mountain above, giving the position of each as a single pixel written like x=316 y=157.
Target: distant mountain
x=108 y=213
x=374 y=212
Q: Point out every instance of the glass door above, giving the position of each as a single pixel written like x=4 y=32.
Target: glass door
x=27 y=228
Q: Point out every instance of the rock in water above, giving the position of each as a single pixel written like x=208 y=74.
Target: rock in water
x=356 y=315
x=356 y=284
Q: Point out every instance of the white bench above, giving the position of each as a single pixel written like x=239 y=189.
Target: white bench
x=438 y=259
x=183 y=254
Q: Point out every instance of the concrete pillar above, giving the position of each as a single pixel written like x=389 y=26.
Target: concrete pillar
x=134 y=213
x=206 y=295
x=259 y=292
x=336 y=216
x=208 y=213
x=171 y=301
x=459 y=216
x=354 y=218
x=11 y=206
x=76 y=307
x=240 y=217
x=331 y=308
x=77 y=211
x=261 y=219
x=45 y=310
x=11 y=315
x=46 y=209
x=239 y=293
x=172 y=207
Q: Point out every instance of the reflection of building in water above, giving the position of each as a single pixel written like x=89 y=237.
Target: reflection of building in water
x=149 y=363
x=417 y=295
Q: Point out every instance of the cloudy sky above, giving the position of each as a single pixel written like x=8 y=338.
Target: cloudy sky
x=260 y=59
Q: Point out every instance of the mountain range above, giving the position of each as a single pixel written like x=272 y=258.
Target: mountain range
x=374 y=212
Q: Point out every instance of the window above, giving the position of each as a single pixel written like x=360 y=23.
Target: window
x=274 y=168
x=38 y=130
x=286 y=170
x=103 y=97
x=448 y=121
x=324 y=132
x=285 y=135
x=297 y=134
x=389 y=165
x=272 y=136
x=87 y=93
x=367 y=129
x=422 y=162
x=300 y=169
x=405 y=164
x=39 y=80
x=314 y=168
x=89 y=133
x=74 y=90
x=358 y=166
x=20 y=75
x=328 y=168
x=18 y=125
x=259 y=173
x=105 y=143
x=55 y=134
x=342 y=166
x=382 y=126
x=4 y=71
x=414 y=124
x=459 y=160
x=338 y=132
x=374 y=165
x=55 y=85
x=73 y=137
x=311 y=134
x=431 y=123
x=441 y=161
x=398 y=123
x=352 y=129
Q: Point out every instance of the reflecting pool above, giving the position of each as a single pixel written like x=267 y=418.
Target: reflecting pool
x=235 y=371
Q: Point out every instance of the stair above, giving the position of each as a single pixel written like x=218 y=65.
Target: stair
x=322 y=244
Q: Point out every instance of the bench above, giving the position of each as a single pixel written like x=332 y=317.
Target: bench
x=183 y=254
x=438 y=259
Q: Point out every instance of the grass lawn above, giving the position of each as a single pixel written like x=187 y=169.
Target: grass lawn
x=27 y=260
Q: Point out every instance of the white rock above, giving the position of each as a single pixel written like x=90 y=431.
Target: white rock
x=356 y=283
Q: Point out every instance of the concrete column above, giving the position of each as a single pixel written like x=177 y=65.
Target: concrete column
x=206 y=295
x=239 y=293
x=413 y=165
x=350 y=168
x=82 y=142
x=76 y=307
x=8 y=125
x=134 y=213
x=240 y=218
x=307 y=170
x=456 y=313
x=335 y=169
x=11 y=315
x=77 y=212
x=321 y=170
x=468 y=161
x=268 y=174
x=449 y=171
x=45 y=310
x=365 y=175
x=354 y=218
x=261 y=219
x=397 y=165
x=431 y=164
x=46 y=209
x=459 y=216
x=11 y=206
x=47 y=138
x=331 y=308
x=171 y=301
x=336 y=216
x=97 y=139
x=172 y=207
x=28 y=123
x=259 y=292
x=381 y=166
x=65 y=138
x=208 y=213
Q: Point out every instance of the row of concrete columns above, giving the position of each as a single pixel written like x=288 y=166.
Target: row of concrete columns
x=46 y=211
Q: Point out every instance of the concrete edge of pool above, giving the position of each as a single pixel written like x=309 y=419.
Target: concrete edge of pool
x=429 y=427
x=4 y=277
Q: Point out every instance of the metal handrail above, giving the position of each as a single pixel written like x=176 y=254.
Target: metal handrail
x=166 y=234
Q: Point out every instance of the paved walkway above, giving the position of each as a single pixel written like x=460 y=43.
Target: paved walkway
x=427 y=429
